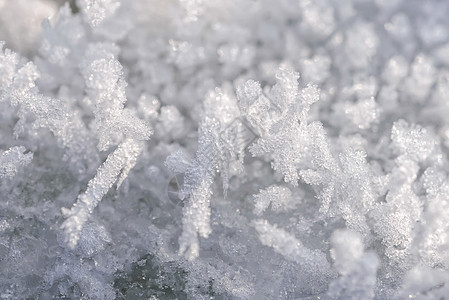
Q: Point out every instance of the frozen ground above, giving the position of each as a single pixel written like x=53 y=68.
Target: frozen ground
x=238 y=149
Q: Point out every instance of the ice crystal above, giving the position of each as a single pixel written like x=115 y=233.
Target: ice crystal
x=300 y=149
x=279 y=197
x=199 y=177
x=118 y=163
x=104 y=81
x=288 y=246
x=281 y=119
x=96 y=11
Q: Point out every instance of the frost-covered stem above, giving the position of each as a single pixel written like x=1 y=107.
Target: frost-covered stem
x=123 y=158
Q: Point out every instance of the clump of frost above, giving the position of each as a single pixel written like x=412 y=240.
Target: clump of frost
x=12 y=160
x=280 y=198
x=357 y=269
x=96 y=11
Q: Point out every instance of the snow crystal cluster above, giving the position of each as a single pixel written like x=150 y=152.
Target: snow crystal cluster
x=238 y=149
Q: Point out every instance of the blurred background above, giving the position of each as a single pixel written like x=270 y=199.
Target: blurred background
x=20 y=21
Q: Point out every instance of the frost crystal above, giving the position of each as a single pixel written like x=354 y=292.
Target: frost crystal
x=104 y=80
x=413 y=141
x=199 y=177
x=281 y=119
x=118 y=163
x=300 y=149
x=96 y=11
x=288 y=246
x=363 y=113
x=280 y=199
